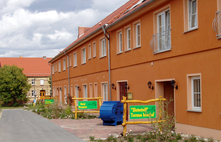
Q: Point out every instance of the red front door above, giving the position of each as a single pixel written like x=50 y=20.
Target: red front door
x=123 y=92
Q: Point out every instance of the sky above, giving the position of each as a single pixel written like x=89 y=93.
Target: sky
x=37 y=28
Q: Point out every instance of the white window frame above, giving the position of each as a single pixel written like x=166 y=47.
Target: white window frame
x=164 y=25
x=89 y=52
x=64 y=64
x=137 y=35
x=42 y=82
x=52 y=69
x=128 y=38
x=191 y=14
x=76 y=93
x=94 y=49
x=83 y=55
x=59 y=66
x=85 y=91
x=33 y=82
x=65 y=95
x=103 y=47
x=196 y=108
x=33 y=93
x=120 y=42
x=70 y=60
x=75 y=60
x=105 y=91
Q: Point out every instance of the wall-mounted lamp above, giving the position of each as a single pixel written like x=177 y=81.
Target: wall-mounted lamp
x=57 y=89
x=150 y=85
x=173 y=84
x=126 y=86
x=113 y=86
x=79 y=89
x=60 y=89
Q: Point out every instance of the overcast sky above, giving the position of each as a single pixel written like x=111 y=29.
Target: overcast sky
x=36 y=28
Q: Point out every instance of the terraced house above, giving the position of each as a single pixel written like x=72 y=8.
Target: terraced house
x=37 y=70
x=150 y=48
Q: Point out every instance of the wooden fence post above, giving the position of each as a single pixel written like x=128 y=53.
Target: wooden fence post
x=124 y=117
x=75 y=107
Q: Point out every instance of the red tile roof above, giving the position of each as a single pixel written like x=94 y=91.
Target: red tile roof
x=118 y=14
x=32 y=66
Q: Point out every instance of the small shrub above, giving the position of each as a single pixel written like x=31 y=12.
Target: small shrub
x=192 y=138
x=68 y=110
x=210 y=140
x=178 y=136
x=92 y=138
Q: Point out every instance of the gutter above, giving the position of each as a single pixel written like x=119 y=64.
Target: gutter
x=107 y=35
x=69 y=97
x=142 y=6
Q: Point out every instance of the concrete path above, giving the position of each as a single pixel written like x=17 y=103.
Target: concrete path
x=25 y=126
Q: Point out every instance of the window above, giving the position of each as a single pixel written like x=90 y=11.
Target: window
x=85 y=90
x=83 y=56
x=33 y=82
x=192 y=14
x=33 y=93
x=196 y=93
x=90 y=91
x=42 y=82
x=69 y=60
x=119 y=39
x=65 y=95
x=76 y=93
x=64 y=64
x=94 y=49
x=89 y=52
x=95 y=90
x=52 y=69
x=127 y=39
x=163 y=29
x=104 y=92
x=75 y=59
x=103 y=47
x=137 y=35
x=59 y=66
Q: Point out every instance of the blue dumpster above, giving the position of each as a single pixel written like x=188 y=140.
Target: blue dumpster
x=111 y=112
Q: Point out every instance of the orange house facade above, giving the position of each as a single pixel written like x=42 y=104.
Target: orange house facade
x=151 y=48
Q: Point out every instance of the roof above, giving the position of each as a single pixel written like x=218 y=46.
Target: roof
x=32 y=66
x=111 y=19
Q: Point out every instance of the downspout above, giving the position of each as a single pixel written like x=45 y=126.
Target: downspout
x=107 y=35
x=51 y=81
x=69 y=98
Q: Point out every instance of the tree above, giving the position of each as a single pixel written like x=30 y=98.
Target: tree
x=13 y=84
x=49 y=82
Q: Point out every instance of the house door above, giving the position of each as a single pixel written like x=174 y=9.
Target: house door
x=169 y=96
x=123 y=92
x=42 y=94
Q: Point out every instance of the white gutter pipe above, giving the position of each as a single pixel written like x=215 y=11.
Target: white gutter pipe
x=107 y=35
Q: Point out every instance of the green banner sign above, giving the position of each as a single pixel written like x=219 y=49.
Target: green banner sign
x=143 y=112
x=87 y=104
x=48 y=102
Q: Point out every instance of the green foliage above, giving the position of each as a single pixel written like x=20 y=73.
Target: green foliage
x=68 y=110
x=13 y=85
x=92 y=138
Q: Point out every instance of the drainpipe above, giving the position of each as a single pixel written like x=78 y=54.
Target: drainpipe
x=69 y=98
x=51 y=81
x=107 y=35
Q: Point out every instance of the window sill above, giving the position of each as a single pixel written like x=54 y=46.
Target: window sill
x=127 y=50
x=119 y=53
x=94 y=57
x=102 y=57
x=218 y=37
x=161 y=51
x=137 y=47
x=190 y=30
x=74 y=66
x=194 y=110
x=83 y=63
x=89 y=58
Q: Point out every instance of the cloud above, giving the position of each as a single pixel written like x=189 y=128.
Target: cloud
x=37 y=33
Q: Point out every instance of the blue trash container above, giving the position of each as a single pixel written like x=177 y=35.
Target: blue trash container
x=111 y=112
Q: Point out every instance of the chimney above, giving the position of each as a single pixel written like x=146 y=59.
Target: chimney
x=44 y=57
x=82 y=30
